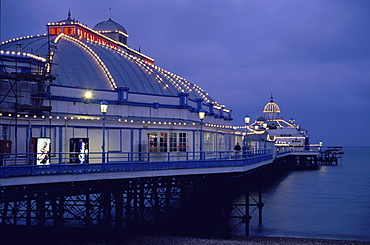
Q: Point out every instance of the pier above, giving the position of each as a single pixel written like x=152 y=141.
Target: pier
x=331 y=156
x=95 y=137
x=169 y=197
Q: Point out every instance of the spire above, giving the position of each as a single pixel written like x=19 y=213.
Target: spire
x=69 y=15
x=110 y=13
x=271 y=98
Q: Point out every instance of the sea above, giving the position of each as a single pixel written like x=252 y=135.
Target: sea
x=332 y=202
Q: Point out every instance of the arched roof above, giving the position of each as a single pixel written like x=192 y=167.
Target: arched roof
x=82 y=63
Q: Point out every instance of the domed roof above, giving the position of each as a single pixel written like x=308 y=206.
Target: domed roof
x=109 y=25
x=271 y=107
x=271 y=110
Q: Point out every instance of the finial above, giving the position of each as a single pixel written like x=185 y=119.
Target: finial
x=69 y=14
x=110 y=13
x=271 y=98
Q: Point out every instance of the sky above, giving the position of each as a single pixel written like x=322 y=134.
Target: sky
x=312 y=56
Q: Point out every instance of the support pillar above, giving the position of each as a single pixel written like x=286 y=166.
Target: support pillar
x=247 y=217
x=119 y=209
x=57 y=204
x=168 y=182
x=40 y=207
x=106 y=209
x=88 y=210
x=156 y=199
x=141 y=200
x=28 y=209
x=5 y=212
x=260 y=206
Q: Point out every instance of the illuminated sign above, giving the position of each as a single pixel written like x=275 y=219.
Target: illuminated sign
x=55 y=30
x=81 y=32
x=150 y=62
x=80 y=149
x=43 y=151
x=94 y=37
x=67 y=30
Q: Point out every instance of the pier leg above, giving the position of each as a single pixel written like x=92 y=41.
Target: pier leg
x=119 y=209
x=260 y=206
x=247 y=217
x=28 y=211
x=40 y=209
x=87 y=219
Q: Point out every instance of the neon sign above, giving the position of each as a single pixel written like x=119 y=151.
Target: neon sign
x=81 y=32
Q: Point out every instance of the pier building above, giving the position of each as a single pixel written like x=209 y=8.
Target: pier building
x=52 y=87
x=287 y=135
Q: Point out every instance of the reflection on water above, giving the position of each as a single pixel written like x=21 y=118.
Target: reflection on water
x=333 y=202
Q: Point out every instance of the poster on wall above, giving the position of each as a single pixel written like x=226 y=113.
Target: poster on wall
x=43 y=151
x=80 y=150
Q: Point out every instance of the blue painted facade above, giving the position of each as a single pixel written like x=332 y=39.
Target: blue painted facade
x=149 y=109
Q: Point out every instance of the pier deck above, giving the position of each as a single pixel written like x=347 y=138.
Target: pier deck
x=59 y=173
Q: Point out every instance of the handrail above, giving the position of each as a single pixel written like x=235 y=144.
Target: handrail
x=121 y=162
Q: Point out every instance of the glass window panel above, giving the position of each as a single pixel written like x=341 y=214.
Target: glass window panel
x=153 y=141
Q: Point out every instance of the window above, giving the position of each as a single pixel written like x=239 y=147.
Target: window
x=182 y=141
x=153 y=142
x=163 y=142
x=167 y=142
x=173 y=142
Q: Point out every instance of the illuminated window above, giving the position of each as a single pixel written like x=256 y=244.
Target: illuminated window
x=163 y=142
x=153 y=141
x=173 y=142
x=182 y=141
x=167 y=142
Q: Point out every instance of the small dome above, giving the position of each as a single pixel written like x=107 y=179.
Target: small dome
x=271 y=107
x=271 y=110
x=109 y=25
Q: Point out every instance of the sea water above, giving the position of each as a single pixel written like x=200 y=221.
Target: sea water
x=332 y=202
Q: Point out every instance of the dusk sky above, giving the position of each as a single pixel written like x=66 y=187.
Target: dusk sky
x=313 y=56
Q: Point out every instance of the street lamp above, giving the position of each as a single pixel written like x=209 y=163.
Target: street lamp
x=256 y=148
x=87 y=97
x=265 y=125
x=201 y=114
x=247 y=120
x=103 y=109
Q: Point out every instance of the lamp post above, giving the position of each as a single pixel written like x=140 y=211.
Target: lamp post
x=247 y=120
x=201 y=114
x=103 y=109
x=148 y=147
x=265 y=125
